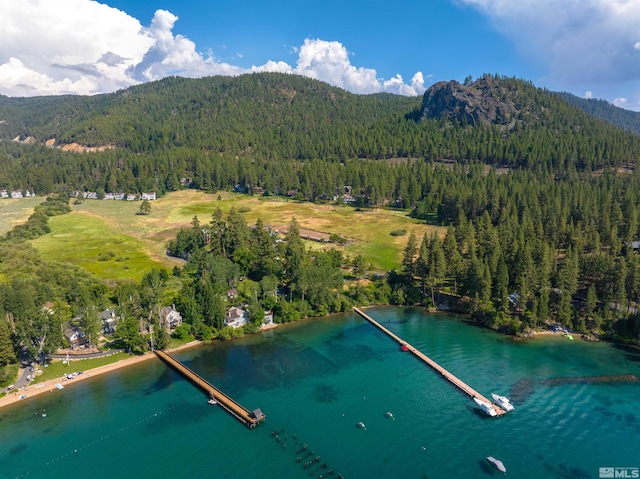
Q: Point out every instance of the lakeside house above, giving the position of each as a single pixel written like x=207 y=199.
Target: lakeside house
x=76 y=337
x=109 y=320
x=170 y=317
x=149 y=196
x=236 y=317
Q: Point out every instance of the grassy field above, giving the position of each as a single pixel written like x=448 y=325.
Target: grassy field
x=110 y=240
x=56 y=369
x=16 y=211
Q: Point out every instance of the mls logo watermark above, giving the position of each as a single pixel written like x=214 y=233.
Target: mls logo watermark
x=628 y=472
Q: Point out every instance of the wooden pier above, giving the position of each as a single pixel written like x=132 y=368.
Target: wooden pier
x=465 y=388
x=250 y=418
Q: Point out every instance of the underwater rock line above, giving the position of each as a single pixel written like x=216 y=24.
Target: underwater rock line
x=604 y=379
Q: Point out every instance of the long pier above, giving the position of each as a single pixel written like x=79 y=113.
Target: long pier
x=250 y=418
x=464 y=387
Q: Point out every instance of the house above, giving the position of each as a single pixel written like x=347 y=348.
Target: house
x=109 y=320
x=132 y=197
x=90 y=195
x=258 y=190
x=76 y=337
x=232 y=293
x=16 y=194
x=118 y=196
x=170 y=318
x=48 y=308
x=109 y=196
x=347 y=199
x=4 y=194
x=149 y=196
x=236 y=317
x=268 y=318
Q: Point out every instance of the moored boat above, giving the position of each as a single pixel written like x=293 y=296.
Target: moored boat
x=502 y=401
x=486 y=407
x=497 y=463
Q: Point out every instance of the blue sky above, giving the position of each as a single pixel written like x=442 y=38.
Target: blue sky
x=587 y=47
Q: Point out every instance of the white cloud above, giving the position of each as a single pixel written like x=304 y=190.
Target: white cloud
x=620 y=101
x=85 y=47
x=329 y=62
x=580 y=41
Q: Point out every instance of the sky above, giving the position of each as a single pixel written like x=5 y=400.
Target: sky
x=590 y=48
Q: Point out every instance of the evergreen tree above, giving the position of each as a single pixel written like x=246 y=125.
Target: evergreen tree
x=7 y=354
x=409 y=257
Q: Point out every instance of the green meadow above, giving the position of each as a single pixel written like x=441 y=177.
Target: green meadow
x=110 y=240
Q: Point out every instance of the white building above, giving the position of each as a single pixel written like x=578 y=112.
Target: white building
x=170 y=317
x=236 y=317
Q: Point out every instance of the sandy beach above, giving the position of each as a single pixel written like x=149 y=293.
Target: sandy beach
x=49 y=387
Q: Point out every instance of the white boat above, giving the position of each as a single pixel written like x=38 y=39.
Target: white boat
x=488 y=408
x=212 y=401
x=389 y=415
x=361 y=425
x=503 y=402
x=497 y=463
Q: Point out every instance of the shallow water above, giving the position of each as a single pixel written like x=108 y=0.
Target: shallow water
x=315 y=380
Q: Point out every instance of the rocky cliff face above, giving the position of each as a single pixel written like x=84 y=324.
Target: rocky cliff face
x=486 y=101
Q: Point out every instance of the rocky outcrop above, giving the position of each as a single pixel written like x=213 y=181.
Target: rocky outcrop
x=486 y=100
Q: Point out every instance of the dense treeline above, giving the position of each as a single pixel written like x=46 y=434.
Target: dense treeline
x=285 y=278
x=272 y=124
x=534 y=247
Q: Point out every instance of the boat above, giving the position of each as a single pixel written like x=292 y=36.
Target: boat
x=486 y=407
x=389 y=415
x=361 y=425
x=404 y=347
x=497 y=463
x=503 y=402
x=212 y=401
x=59 y=386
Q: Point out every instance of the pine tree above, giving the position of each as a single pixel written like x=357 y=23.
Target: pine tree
x=7 y=354
x=408 y=258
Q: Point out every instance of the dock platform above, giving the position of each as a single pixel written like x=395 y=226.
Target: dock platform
x=250 y=418
x=465 y=388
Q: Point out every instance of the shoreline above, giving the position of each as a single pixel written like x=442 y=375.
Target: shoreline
x=50 y=386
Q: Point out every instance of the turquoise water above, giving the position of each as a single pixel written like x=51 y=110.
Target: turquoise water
x=315 y=380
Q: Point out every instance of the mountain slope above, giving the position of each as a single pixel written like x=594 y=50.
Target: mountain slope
x=271 y=116
x=625 y=119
